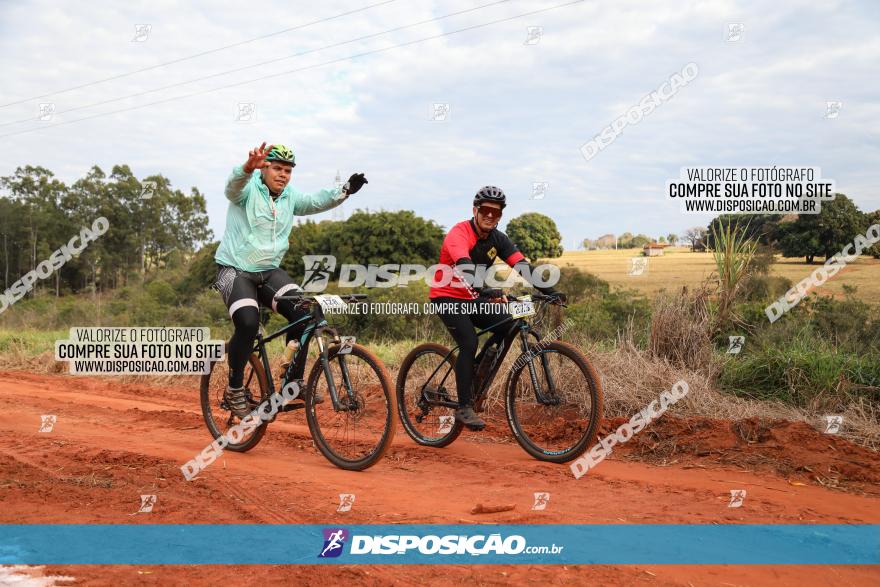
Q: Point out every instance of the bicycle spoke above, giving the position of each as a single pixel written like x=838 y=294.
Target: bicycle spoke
x=217 y=414
x=357 y=430
x=425 y=381
x=553 y=423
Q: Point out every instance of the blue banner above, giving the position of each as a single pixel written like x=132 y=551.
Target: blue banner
x=147 y=544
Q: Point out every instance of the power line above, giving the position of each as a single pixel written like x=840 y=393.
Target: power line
x=282 y=73
x=261 y=63
x=202 y=54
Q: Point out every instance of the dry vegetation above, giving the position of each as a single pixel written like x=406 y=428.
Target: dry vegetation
x=679 y=267
x=631 y=379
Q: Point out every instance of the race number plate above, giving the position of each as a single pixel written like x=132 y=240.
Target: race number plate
x=330 y=302
x=345 y=345
x=522 y=307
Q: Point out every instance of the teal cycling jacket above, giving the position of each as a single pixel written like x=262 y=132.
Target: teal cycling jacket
x=257 y=227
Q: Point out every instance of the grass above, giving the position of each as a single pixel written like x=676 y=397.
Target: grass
x=29 y=343
x=806 y=374
x=679 y=266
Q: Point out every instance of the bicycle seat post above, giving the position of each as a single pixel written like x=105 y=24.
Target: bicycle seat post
x=264 y=315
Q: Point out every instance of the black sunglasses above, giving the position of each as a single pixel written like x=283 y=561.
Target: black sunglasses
x=489 y=211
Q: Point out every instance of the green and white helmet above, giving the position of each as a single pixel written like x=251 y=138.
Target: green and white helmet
x=282 y=154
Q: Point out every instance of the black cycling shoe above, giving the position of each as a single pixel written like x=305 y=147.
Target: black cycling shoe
x=469 y=418
x=237 y=400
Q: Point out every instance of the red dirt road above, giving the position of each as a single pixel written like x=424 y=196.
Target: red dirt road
x=113 y=442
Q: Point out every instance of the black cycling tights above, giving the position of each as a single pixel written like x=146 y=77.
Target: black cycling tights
x=460 y=317
x=240 y=291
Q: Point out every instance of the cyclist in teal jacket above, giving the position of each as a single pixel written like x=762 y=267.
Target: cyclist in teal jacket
x=258 y=223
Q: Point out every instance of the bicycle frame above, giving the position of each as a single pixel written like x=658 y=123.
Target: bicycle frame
x=519 y=329
x=316 y=327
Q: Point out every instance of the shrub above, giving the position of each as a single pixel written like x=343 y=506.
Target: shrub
x=806 y=372
x=764 y=288
x=681 y=329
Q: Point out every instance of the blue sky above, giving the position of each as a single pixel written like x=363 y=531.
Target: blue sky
x=518 y=112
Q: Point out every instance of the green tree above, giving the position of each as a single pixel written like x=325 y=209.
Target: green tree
x=640 y=241
x=368 y=238
x=307 y=238
x=151 y=220
x=871 y=219
x=40 y=214
x=672 y=238
x=823 y=234
x=536 y=236
x=35 y=228
x=201 y=272
x=762 y=228
x=384 y=237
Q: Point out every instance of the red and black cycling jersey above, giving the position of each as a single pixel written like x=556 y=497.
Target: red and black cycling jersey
x=462 y=242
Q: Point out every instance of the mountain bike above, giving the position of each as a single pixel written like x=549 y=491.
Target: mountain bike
x=552 y=394
x=354 y=429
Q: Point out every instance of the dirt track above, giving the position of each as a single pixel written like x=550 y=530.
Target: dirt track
x=113 y=442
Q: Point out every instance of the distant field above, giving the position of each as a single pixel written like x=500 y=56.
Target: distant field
x=678 y=267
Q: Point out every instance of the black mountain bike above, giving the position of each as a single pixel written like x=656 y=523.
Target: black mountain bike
x=352 y=423
x=553 y=396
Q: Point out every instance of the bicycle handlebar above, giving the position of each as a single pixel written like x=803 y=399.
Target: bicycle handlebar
x=299 y=296
x=540 y=297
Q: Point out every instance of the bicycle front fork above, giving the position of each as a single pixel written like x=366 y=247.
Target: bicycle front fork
x=548 y=398
x=349 y=401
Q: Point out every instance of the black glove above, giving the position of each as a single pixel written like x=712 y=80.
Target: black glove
x=354 y=183
x=558 y=295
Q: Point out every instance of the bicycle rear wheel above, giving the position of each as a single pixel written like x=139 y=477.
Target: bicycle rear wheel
x=428 y=425
x=559 y=421
x=356 y=436
x=216 y=412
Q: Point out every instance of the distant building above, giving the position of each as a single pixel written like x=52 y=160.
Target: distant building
x=654 y=249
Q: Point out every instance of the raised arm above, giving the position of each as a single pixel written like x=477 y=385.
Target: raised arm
x=327 y=198
x=317 y=201
x=241 y=174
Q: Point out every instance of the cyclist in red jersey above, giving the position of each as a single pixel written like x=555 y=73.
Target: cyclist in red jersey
x=469 y=246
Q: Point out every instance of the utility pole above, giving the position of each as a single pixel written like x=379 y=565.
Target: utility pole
x=34 y=262
x=5 y=263
x=338 y=212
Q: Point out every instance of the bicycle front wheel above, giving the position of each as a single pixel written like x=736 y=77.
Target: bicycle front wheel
x=559 y=419
x=216 y=412
x=427 y=373
x=357 y=432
